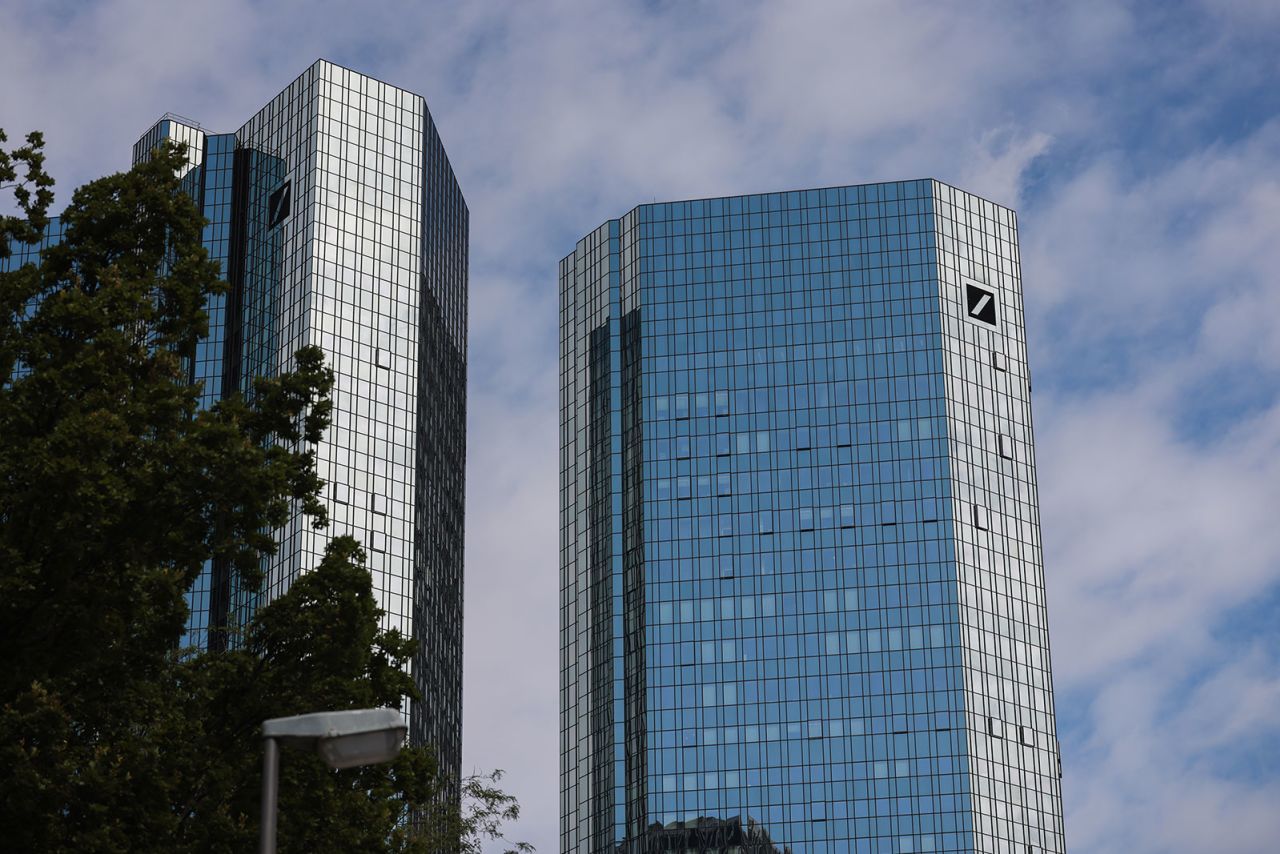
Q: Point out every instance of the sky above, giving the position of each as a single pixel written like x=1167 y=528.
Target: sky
x=1140 y=145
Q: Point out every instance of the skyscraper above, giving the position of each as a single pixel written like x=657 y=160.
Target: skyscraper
x=802 y=592
x=338 y=222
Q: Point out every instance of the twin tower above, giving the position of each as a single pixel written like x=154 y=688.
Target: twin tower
x=802 y=593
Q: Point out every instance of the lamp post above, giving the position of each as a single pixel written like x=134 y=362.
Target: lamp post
x=343 y=740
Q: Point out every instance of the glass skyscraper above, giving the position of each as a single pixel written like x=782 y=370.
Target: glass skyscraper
x=802 y=592
x=338 y=222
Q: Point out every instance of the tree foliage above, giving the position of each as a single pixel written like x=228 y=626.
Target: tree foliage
x=115 y=489
x=31 y=188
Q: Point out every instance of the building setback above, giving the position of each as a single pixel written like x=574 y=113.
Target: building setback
x=802 y=591
x=338 y=222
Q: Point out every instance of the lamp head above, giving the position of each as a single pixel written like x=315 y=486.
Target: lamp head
x=344 y=739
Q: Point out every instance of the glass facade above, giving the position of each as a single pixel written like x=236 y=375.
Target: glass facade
x=338 y=222
x=30 y=253
x=802 y=593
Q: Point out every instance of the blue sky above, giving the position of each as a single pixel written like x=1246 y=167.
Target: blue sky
x=1140 y=143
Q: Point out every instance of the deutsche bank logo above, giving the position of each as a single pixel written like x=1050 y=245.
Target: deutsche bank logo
x=278 y=206
x=980 y=304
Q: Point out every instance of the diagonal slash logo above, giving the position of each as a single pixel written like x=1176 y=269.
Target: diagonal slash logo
x=981 y=304
x=278 y=205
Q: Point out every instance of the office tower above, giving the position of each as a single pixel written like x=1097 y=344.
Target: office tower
x=802 y=592
x=338 y=222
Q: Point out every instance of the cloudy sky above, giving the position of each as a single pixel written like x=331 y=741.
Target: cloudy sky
x=1140 y=143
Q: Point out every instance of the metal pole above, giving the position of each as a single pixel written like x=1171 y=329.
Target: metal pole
x=270 y=776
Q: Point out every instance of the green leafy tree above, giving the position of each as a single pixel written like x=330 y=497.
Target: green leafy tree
x=115 y=488
x=31 y=190
x=318 y=646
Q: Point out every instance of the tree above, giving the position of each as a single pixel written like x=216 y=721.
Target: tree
x=31 y=191
x=316 y=647
x=115 y=488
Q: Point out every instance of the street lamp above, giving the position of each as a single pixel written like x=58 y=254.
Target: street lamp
x=343 y=740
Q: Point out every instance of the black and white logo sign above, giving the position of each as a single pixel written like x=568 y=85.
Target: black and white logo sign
x=278 y=206
x=980 y=304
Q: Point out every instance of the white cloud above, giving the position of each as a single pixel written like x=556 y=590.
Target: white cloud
x=1159 y=477
x=1001 y=159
